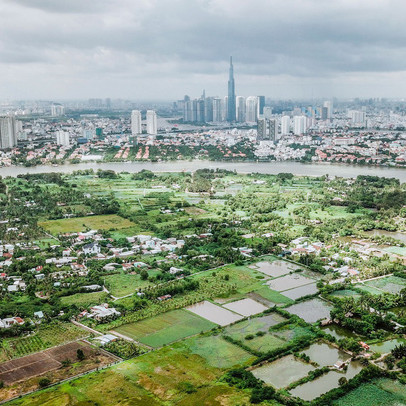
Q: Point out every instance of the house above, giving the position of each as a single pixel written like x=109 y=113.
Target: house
x=174 y=270
x=91 y=249
x=39 y=314
x=102 y=312
x=106 y=339
x=92 y=287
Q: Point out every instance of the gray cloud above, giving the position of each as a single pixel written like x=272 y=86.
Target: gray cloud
x=164 y=48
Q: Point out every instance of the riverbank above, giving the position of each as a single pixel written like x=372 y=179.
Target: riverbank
x=297 y=168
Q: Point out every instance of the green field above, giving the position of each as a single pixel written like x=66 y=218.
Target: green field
x=369 y=289
x=381 y=392
x=123 y=284
x=47 y=335
x=396 y=250
x=84 y=299
x=166 y=328
x=390 y=284
x=182 y=374
x=239 y=330
x=72 y=225
x=273 y=296
x=218 y=352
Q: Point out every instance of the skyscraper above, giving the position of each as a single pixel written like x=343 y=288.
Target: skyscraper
x=261 y=104
x=217 y=113
x=62 y=138
x=231 y=94
x=152 y=122
x=8 y=133
x=299 y=125
x=240 y=107
x=285 y=125
x=136 y=127
x=329 y=106
x=251 y=111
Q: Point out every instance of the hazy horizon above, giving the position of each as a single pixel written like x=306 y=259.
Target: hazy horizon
x=159 y=51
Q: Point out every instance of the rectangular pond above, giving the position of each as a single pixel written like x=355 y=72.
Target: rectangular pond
x=323 y=384
x=274 y=268
x=311 y=310
x=325 y=355
x=301 y=291
x=289 y=282
x=213 y=313
x=246 y=307
x=386 y=346
x=283 y=371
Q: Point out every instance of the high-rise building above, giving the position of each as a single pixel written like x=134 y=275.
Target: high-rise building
x=62 y=138
x=272 y=129
x=358 y=117
x=299 y=124
x=324 y=113
x=208 y=109
x=240 y=106
x=251 y=111
x=285 y=125
x=200 y=111
x=267 y=112
x=225 y=109
x=217 y=110
x=231 y=116
x=329 y=105
x=261 y=104
x=8 y=133
x=57 y=110
x=261 y=129
x=152 y=122
x=136 y=123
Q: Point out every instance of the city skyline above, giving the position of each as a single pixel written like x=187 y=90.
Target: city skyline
x=157 y=51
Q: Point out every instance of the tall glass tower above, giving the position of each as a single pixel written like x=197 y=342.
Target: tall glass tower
x=231 y=94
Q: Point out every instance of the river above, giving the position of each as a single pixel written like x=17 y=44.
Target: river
x=297 y=168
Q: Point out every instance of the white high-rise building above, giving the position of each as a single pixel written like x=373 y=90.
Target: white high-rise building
x=57 y=110
x=299 y=125
x=152 y=122
x=217 y=110
x=62 y=138
x=136 y=122
x=285 y=125
x=251 y=110
x=8 y=133
x=224 y=109
x=358 y=117
x=329 y=106
x=240 y=109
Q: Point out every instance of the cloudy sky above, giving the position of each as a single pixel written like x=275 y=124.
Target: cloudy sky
x=163 y=49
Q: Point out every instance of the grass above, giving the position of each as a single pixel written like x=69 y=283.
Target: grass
x=123 y=284
x=369 y=289
x=160 y=377
x=391 y=284
x=47 y=336
x=239 y=330
x=218 y=352
x=72 y=225
x=84 y=299
x=273 y=296
x=166 y=328
x=265 y=343
x=382 y=392
x=396 y=250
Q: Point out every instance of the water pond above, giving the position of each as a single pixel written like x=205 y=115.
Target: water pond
x=386 y=346
x=246 y=307
x=213 y=313
x=274 y=268
x=301 y=291
x=311 y=310
x=325 y=355
x=339 y=332
x=289 y=282
x=283 y=371
x=313 y=389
